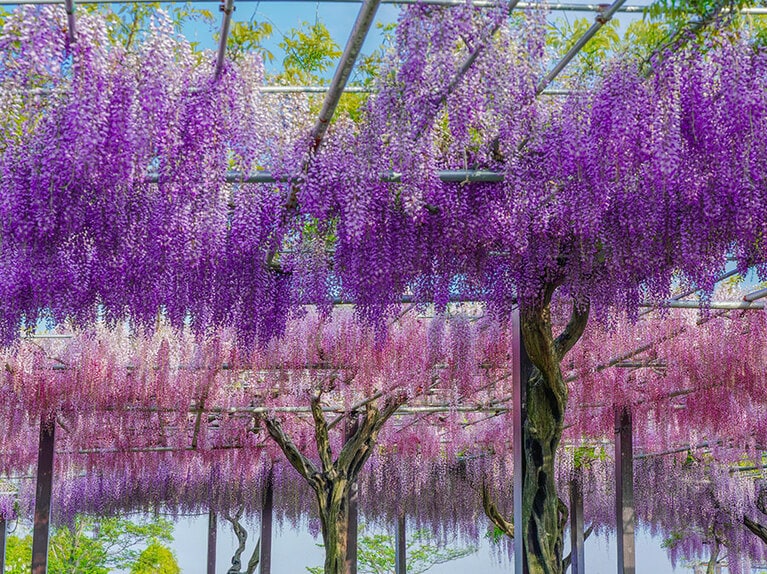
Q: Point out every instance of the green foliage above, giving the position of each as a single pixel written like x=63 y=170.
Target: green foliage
x=90 y=546
x=129 y=22
x=678 y=13
x=674 y=538
x=585 y=455
x=249 y=37
x=376 y=553
x=564 y=35
x=18 y=554
x=309 y=52
x=495 y=534
x=156 y=559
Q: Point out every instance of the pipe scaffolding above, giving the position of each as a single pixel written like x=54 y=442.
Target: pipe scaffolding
x=345 y=66
x=603 y=17
x=556 y=7
x=227 y=7
x=69 y=6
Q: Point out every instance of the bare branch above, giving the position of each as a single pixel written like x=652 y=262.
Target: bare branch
x=579 y=317
x=303 y=465
x=492 y=512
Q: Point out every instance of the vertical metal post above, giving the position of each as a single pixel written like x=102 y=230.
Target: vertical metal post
x=577 y=559
x=352 y=532
x=624 y=492
x=3 y=532
x=212 y=535
x=400 y=546
x=41 y=527
x=520 y=374
x=352 y=519
x=265 y=563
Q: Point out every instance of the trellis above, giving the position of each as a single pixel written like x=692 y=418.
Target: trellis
x=333 y=93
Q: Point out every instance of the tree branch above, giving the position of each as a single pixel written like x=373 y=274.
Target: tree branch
x=756 y=528
x=491 y=510
x=359 y=447
x=579 y=317
x=303 y=465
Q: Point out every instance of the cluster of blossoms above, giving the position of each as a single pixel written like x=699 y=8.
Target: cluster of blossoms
x=118 y=398
x=115 y=198
x=114 y=203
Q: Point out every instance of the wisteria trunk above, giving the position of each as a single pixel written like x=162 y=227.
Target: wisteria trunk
x=332 y=498
x=544 y=515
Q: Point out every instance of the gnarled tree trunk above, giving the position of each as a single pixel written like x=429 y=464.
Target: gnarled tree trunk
x=507 y=527
x=332 y=501
x=242 y=541
x=332 y=481
x=543 y=514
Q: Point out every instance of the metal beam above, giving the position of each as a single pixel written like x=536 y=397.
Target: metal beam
x=345 y=66
x=601 y=19
x=267 y=505
x=448 y=176
x=754 y=295
x=69 y=6
x=557 y=7
x=724 y=305
x=400 y=546
x=212 y=536
x=577 y=558
x=3 y=534
x=624 y=492
x=352 y=424
x=693 y=290
x=41 y=529
x=472 y=57
x=227 y=7
x=520 y=374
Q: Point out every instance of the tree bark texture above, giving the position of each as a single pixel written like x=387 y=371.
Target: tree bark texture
x=507 y=527
x=242 y=541
x=332 y=479
x=544 y=515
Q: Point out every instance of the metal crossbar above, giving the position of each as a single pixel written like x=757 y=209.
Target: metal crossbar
x=556 y=7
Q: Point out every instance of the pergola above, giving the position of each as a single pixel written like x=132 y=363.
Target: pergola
x=518 y=371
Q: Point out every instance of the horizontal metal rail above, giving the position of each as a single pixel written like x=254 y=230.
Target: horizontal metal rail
x=725 y=305
x=558 y=7
x=454 y=176
x=754 y=295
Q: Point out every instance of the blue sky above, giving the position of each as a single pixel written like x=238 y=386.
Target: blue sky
x=339 y=18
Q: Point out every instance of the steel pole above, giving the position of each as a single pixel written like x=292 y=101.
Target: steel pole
x=520 y=374
x=265 y=563
x=624 y=491
x=41 y=528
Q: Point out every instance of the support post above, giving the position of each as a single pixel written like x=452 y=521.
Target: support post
x=520 y=374
x=3 y=533
x=212 y=535
x=624 y=491
x=577 y=559
x=400 y=546
x=41 y=528
x=352 y=519
x=265 y=562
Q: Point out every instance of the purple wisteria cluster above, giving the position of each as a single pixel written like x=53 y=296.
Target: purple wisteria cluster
x=115 y=201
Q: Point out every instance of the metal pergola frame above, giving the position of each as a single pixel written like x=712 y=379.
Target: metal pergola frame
x=333 y=93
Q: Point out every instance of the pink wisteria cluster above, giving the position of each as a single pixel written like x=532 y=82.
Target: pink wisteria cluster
x=165 y=407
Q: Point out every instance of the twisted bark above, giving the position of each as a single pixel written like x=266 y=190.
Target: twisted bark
x=507 y=527
x=543 y=513
x=333 y=479
x=242 y=540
